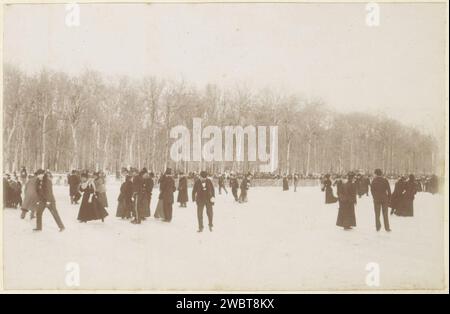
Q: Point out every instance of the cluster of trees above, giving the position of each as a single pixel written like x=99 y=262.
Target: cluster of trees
x=61 y=122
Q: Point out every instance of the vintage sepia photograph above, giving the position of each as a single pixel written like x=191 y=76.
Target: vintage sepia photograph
x=225 y=147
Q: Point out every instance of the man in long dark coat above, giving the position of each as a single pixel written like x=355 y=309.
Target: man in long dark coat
x=46 y=200
x=167 y=188
x=245 y=185
x=381 y=193
x=285 y=183
x=203 y=194
x=347 y=200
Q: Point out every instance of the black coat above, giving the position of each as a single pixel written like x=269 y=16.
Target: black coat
x=380 y=189
x=125 y=204
x=329 y=197
x=166 y=189
x=347 y=200
x=182 y=190
x=91 y=208
x=203 y=192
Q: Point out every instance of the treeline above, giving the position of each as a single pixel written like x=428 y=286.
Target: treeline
x=61 y=122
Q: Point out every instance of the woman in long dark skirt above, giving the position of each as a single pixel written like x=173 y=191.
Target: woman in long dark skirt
x=182 y=197
x=329 y=197
x=285 y=183
x=91 y=208
x=347 y=200
x=147 y=186
x=408 y=197
x=125 y=204
x=397 y=196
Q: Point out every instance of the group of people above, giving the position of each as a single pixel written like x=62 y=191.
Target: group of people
x=352 y=186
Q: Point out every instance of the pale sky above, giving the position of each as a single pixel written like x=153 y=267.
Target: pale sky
x=322 y=51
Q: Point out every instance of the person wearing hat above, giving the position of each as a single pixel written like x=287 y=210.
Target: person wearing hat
x=410 y=190
x=234 y=184
x=381 y=193
x=147 y=189
x=167 y=188
x=347 y=200
x=396 y=201
x=46 y=200
x=222 y=184
x=203 y=194
x=245 y=185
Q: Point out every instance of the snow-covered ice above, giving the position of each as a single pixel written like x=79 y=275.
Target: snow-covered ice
x=277 y=241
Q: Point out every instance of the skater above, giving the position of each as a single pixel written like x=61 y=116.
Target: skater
x=347 y=200
x=137 y=197
x=100 y=186
x=285 y=183
x=203 y=195
x=125 y=204
x=167 y=188
x=222 y=184
x=245 y=185
x=397 y=196
x=407 y=200
x=23 y=176
x=381 y=193
x=44 y=190
x=295 y=182
x=329 y=197
x=234 y=184
x=147 y=189
x=31 y=198
x=73 y=179
x=363 y=185
x=91 y=208
x=182 y=190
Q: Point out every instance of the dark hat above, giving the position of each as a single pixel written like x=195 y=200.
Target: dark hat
x=168 y=171
x=203 y=174
x=40 y=171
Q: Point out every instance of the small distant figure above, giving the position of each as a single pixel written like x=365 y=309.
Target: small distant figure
x=182 y=197
x=222 y=184
x=327 y=187
x=167 y=188
x=285 y=183
x=234 y=184
x=296 y=178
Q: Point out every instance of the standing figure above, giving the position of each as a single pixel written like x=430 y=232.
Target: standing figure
x=245 y=185
x=234 y=184
x=137 y=197
x=295 y=182
x=381 y=193
x=31 y=198
x=147 y=189
x=285 y=183
x=74 y=181
x=410 y=190
x=182 y=190
x=91 y=207
x=23 y=176
x=347 y=200
x=100 y=185
x=167 y=188
x=363 y=185
x=329 y=197
x=222 y=184
x=397 y=196
x=125 y=204
x=46 y=200
x=203 y=194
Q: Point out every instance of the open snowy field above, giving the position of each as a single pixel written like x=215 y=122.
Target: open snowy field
x=277 y=241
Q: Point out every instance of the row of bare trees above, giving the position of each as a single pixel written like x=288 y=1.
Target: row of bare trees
x=61 y=122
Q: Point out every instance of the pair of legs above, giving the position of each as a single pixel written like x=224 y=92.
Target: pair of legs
x=381 y=206
x=52 y=208
x=209 y=213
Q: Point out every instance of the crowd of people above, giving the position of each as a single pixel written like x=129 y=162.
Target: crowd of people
x=88 y=190
x=353 y=185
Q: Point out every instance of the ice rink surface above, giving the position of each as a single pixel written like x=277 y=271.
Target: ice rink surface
x=277 y=241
